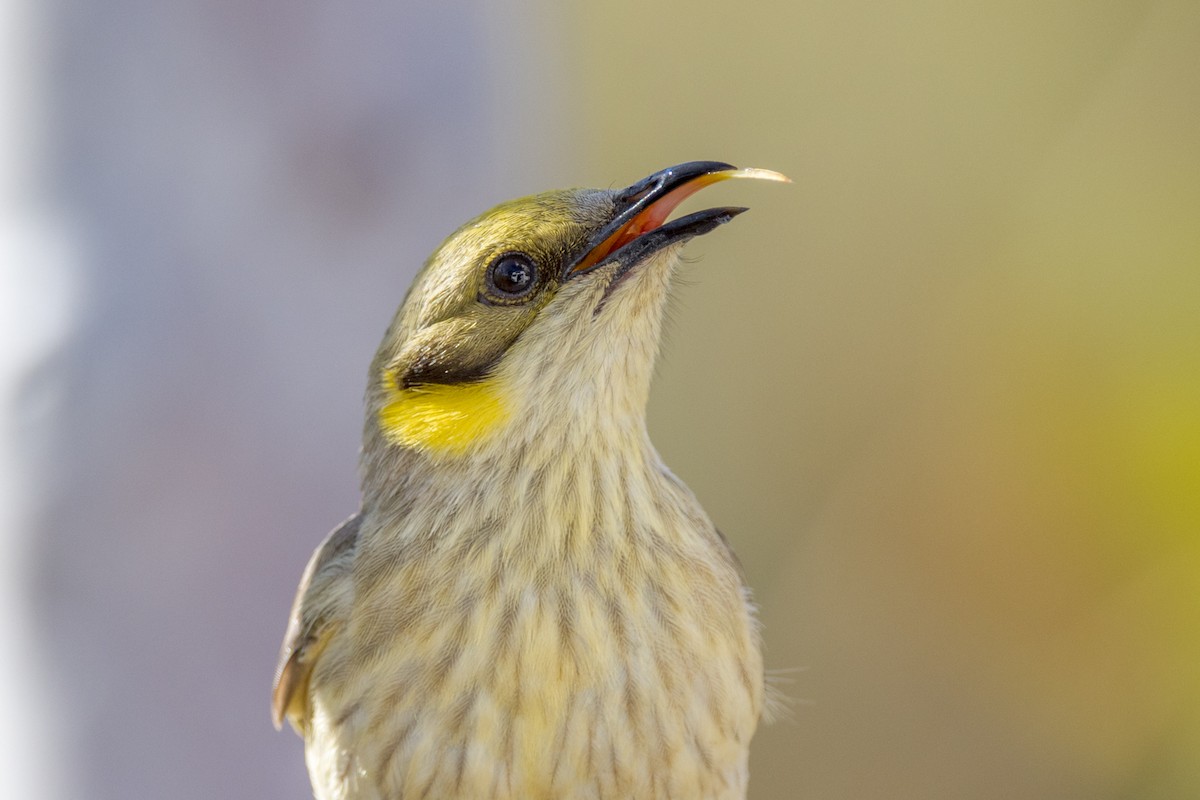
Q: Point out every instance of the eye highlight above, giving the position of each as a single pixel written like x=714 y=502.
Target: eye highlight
x=510 y=278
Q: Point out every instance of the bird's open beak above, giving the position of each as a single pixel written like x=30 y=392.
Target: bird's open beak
x=637 y=228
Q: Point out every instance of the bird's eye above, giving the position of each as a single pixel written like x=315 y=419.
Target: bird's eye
x=511 y=277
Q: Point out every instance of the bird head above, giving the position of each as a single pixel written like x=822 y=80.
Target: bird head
x=544 y=312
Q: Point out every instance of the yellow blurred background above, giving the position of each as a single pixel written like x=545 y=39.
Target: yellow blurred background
x=942 y=393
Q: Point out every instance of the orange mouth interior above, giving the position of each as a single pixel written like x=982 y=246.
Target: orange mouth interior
x=649 y=218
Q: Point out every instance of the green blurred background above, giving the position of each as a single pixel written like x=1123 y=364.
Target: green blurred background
x=942 y=393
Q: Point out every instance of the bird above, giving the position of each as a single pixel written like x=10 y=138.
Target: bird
x=528 y=603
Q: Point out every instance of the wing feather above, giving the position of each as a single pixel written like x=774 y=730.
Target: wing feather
x=313 y=619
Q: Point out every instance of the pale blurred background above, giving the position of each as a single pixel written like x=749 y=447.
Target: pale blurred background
x=943 y=393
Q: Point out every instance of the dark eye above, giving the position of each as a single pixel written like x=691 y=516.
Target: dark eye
x=512 y=276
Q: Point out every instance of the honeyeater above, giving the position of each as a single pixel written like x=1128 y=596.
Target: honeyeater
x=528 y=603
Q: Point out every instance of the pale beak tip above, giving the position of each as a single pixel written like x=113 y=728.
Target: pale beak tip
x=756 y=174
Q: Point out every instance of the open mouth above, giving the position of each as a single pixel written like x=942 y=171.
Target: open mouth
x=639 y=228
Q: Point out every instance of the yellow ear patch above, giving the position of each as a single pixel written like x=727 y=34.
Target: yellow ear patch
x=441 y=418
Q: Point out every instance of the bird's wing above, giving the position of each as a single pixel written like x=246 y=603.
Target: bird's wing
x=324 y=590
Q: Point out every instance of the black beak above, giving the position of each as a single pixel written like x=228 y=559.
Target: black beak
x=636 y=230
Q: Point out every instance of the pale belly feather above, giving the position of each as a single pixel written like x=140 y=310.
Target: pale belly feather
x=634 y=673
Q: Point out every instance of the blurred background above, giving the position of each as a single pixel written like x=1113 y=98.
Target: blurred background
x=942 y=393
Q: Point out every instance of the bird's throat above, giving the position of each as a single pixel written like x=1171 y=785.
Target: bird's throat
x=441 y=419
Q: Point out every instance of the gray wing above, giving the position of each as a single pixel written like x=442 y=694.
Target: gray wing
x=324 y=590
